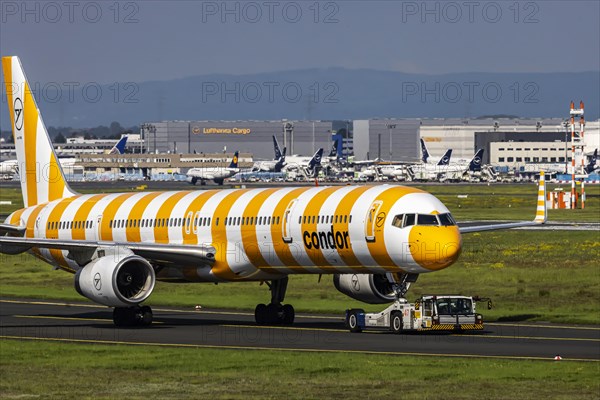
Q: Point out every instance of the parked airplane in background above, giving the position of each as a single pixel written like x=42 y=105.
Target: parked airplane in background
x=591 y=167
x=452 y=171
x=275 y=165
x=216 y=174
x=445 y=160
x=9 y=167
x=373 y=240
x=119 y=148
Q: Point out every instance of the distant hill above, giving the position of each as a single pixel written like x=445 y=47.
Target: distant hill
x=333 y=93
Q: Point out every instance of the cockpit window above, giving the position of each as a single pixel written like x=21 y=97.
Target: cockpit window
x=446 y=220
x=409 y=220
x=404 y=220
x=427 y=219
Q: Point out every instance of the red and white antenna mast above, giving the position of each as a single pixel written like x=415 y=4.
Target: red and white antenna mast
x=577 y=150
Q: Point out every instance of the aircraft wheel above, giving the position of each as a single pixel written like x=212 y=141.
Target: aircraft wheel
x=146 y=316
x=288 y=314
x=261 y=315
x=121 y=317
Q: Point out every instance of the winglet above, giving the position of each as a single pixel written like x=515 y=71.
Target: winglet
x=541 y=213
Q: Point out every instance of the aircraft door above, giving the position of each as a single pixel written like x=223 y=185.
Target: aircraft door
x=287 y=219
x=40 y=228
x=373 y=220
x=98 y=227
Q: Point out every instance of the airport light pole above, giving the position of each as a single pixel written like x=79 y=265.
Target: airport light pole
x=390 y=127
x=288 y=128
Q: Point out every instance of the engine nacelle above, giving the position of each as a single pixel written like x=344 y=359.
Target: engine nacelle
x=192 y=180
x=121 y=279
x=368 y=288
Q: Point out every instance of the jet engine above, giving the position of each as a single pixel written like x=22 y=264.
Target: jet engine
x=368 y=288
x=121 y=279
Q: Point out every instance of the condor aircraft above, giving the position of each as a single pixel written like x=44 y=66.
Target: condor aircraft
x=373 y=240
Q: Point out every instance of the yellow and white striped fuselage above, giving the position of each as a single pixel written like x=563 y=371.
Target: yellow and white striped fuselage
x=258 y=234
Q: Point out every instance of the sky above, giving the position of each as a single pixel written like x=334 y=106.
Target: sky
x=135 y=41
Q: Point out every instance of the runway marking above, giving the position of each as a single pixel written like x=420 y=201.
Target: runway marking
x=63 y=318
x=479 y=336
x=72 y=318
x=290 y=328
x=590 y=328
x=47 y=303
x=484 y=336
x=249 y=314
x=208 y=346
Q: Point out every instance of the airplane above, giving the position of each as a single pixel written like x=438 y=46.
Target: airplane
x=445 y=160
x=295 y=162
x=9 y=167
x=450 y=171
x=374 y=240
x=119 y=148
x=216 y=174
x=276 y=165
x=591 y=167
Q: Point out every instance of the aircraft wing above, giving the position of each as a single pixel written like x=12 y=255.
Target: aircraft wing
x=83 y=251
x=541 y=214
x=493 y=227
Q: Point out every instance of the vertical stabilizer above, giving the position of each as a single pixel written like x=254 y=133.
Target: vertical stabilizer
x=42 y=178
x=475 y=164
x=119 y=148
x=425 y=152
x=445 y=160
x=276 y=148
x=234 y=161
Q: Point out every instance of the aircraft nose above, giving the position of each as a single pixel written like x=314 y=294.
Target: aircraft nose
x=435 y=247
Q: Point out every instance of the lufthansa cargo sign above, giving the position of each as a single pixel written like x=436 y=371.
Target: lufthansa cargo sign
x=222 y=131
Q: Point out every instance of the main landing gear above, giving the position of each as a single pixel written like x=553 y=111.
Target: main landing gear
x=275 y=313
x=132 y=316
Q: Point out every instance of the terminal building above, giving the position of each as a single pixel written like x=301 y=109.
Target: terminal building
x=384 y=139
x=253 y=137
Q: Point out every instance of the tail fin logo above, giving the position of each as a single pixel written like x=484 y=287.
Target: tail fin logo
x=18 y=106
